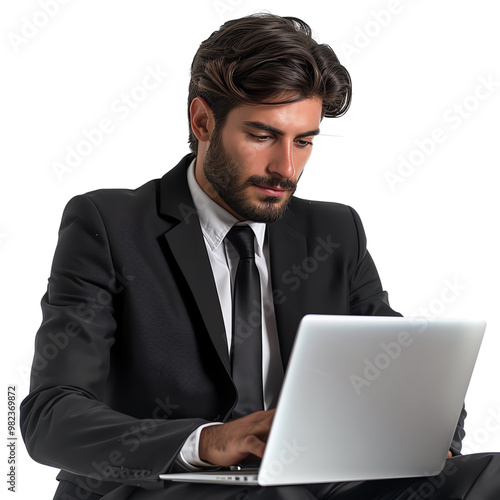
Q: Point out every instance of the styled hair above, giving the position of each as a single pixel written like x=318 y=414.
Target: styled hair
x=266 y=59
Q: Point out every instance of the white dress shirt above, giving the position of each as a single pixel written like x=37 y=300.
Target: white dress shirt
x=215 y=223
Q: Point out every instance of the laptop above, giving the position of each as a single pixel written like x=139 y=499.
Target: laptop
x=364 y=398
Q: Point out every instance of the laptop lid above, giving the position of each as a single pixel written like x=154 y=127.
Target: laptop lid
x=368 y=398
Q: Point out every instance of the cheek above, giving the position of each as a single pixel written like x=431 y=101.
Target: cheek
x=244 y=152
x=300 y=162
x=250 y=158
x=301 y=159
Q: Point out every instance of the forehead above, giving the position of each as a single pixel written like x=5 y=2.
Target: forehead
x=290 y=118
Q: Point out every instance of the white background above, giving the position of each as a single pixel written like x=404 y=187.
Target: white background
x=416 y=66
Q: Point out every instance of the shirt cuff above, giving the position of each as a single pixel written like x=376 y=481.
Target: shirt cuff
x=189 y=454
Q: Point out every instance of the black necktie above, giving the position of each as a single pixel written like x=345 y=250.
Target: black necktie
x=246 y=348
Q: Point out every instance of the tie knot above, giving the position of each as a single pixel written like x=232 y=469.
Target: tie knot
x=242 y=238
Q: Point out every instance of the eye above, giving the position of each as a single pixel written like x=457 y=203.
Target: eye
x=303 y=144
x=259 y=138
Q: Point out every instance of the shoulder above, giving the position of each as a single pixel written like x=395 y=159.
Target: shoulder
x=132 y=204
x=118 y=213
x=321 y=219
x=304 y=211
x=124 y=198
x=116 y=203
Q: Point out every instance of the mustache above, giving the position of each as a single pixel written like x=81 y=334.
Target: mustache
x=272 y=182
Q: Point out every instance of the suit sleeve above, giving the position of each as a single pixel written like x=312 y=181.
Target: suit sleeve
x=64 y=420
x=368 y=298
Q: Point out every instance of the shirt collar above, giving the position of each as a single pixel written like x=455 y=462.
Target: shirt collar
x=215 y=220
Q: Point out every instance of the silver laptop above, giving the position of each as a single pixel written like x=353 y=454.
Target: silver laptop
x=365 y=398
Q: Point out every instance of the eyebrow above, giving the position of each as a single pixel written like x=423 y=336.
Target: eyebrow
x=269 y=128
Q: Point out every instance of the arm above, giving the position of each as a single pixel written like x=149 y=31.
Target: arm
x=366 y=296
x=65 y=420
x=456 y=443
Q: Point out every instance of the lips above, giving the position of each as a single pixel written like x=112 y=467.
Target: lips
x=271 y=191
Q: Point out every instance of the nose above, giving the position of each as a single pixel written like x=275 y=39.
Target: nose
x=282 y=162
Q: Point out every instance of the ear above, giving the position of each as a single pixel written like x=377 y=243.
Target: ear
x=202 y=119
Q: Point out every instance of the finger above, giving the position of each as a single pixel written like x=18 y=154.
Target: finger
x=263 y=418
x=252 y=445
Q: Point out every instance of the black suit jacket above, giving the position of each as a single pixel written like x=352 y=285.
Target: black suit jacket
x=132 y=355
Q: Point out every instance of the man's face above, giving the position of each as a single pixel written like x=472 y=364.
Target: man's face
x=254 y=163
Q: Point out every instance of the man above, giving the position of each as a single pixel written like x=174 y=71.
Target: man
x=138 y=367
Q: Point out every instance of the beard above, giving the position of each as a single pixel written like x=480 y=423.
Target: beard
x=226 y=178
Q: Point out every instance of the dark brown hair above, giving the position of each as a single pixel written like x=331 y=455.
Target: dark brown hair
x=266 y=59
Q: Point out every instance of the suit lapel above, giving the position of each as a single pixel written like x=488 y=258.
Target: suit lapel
x=288 y=249
x=186 y=243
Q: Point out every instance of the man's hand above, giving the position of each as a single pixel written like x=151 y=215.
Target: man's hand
x=236 y=441
x=450 y=455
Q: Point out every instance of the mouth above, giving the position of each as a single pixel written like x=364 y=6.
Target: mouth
x=276 y=192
